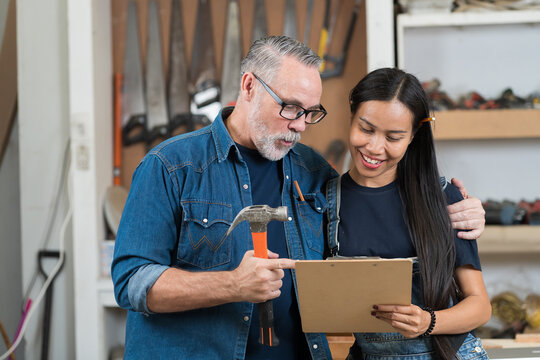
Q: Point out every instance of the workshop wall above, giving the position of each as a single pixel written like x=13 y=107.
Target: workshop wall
x=335 y=90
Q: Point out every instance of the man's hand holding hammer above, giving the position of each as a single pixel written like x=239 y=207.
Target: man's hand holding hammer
x=259 y=279
x=254 y=280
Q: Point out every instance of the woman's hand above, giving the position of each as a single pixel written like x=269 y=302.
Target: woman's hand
x=411 y=321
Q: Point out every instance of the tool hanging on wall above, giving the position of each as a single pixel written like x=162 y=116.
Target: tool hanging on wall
x=232 y=56
x=258 y=217
x=178 y=92
x=259 y=21
x=133 y=105
x=158 y=119
x=338 y=62
x=327 y=30
x=309 y=16
x=203 y=74
x=178 y=68
x=116 y=195
x=289 y=24
x=117 y=118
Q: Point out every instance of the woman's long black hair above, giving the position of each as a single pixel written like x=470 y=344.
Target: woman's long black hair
x=420 y=189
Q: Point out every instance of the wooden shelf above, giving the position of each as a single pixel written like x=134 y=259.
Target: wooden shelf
x=516 y=239
x=487 y=124
x=507 y=343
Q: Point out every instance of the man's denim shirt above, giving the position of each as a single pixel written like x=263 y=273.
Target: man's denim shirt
x=184 y=196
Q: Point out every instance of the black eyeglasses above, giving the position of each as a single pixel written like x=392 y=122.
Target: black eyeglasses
x=292 y=111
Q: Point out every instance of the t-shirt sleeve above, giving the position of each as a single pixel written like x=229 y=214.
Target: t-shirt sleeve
x=466 y=250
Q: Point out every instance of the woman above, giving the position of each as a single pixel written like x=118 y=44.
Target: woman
x=394 y=190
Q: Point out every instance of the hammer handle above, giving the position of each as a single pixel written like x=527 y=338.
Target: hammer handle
x=260 y=245
x=266 y=322
x=266 y=309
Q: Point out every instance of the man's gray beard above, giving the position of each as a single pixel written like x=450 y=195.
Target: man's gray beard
x=266 y=144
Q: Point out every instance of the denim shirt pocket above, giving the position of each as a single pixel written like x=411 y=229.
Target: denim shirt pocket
x=311 y=212
x=203 y=242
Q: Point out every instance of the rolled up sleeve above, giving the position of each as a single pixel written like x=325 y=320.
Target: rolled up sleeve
x=140 y=283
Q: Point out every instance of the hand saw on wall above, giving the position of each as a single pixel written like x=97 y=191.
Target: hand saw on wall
x=203 y=73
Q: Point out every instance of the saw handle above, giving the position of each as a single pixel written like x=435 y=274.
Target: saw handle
x=134 y=122
x=266 y=309
x=188 y=120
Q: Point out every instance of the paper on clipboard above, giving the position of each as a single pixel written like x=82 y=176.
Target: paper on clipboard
x=337 y=295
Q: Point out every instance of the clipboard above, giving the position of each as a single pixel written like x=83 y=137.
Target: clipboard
x=337 y=295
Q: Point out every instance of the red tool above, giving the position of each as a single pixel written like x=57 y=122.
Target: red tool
x=117 y=161
x=259 y=216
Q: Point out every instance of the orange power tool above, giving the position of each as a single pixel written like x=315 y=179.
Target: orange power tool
x=259 y=216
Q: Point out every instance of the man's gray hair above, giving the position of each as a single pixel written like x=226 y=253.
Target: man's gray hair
x=265 y=55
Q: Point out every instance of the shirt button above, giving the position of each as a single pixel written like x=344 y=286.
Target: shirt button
x=315 y=346
x=287 y=177
x=289 y=218
x=477 y=349
x=319 y=208
x=245 y=186
x=246 y=318
x=205 y=220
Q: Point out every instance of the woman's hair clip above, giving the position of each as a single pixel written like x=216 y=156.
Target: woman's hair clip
x=428 y=119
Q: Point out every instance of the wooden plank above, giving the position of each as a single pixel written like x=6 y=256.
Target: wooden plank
x=8 y=78
x=500 y=239
x=528 y=338
x=505 y=343
x=487 y=124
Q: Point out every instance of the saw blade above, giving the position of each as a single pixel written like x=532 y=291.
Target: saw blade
x=132 y=86
x=232 y=56
x=155 y=86
x=178 y=70
x=259 y=21
x=289 y=27
x=203 y=73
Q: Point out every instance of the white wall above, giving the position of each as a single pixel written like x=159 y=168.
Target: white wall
x=43 y=133
x=494 y=169
x=90 y=65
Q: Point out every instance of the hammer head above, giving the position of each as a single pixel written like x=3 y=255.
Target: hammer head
x=258 y=216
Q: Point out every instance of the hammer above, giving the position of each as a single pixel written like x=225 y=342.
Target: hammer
x=259 y=216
